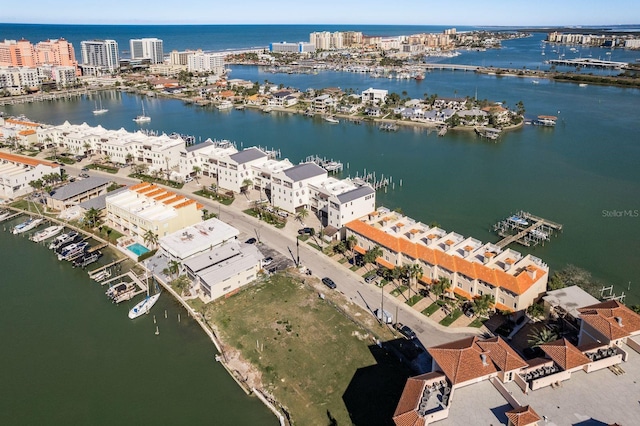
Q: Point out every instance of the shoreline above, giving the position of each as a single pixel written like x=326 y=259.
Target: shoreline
x=252 y=385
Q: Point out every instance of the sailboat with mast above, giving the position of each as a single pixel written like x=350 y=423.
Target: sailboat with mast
x=142 y=118
x=145 y=304
x=100 y=110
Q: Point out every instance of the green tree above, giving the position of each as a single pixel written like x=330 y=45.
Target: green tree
x=197 y=170
x=372 y=254
x=92 y=217
x=440 y=287
x=302 y=215
x=540 y=337
x=150 y=238
x=536 y=310
x=351 y=243
x=482 y=304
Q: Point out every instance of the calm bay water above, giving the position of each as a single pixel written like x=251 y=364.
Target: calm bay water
x=78 y=359
x=70 y=356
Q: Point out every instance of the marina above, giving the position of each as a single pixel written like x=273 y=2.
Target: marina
x=330 y=166
x=525 y=229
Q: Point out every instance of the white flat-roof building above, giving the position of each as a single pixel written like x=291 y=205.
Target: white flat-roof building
x=16 y=172
x=290 y=187
x=224 y=269
x=147 y=48
x=196 y=239
x=204 y=155
x=338 y=202
x=374 y=96
x=148 y=207
x=206 y=62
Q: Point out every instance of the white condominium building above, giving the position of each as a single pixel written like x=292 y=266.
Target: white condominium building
x=16 y=172
x=338 y=202
x=206 y=62
x=147 y=48
x=101 y=53
x=148 y=207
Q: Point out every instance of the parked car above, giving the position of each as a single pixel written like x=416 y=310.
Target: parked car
x=370 y=278
x=84 y=175
x=188 y=179
x=406 y=331
x=267 y=261
x=329 y=283
x=251 y=241
x=383 y=316
x=85 y=169
x=306 y=230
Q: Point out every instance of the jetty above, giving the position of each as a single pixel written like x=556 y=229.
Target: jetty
x=488 y=132
x=330 y=166
x=589 y=63
x=526 y=229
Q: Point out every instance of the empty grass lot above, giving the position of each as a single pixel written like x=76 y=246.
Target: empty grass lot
x=307 y=351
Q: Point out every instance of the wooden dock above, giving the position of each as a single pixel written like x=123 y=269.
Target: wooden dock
x=96 y=271
x=142 y=287
x=530 y=230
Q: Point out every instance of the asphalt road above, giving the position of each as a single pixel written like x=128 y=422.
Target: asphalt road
x=351 y=285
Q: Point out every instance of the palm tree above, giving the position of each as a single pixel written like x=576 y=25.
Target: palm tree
x=92 y=217
x=541 y=337
x=197 y=170
x=150 y=238
x=351 y=243
x=372 y=254
x=173 y=267
x=87 y=148
x=129 y=158
x=415 y=273
x=440 y=287
x=482 y=304
x=302 y=215
x=245 y=185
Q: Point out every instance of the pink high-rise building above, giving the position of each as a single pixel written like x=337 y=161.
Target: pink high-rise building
x=50 y=52
x=19 y=53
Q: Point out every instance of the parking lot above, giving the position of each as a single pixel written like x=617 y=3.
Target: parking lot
x=279 y=262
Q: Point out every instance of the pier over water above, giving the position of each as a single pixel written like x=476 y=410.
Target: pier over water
x=526 y=229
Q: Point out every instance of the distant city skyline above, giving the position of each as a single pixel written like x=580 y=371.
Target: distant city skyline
x=369 y=12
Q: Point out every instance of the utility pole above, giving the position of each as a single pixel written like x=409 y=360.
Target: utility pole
x=297 y=251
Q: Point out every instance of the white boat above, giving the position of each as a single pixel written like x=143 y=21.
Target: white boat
x=224 y=105
x=102 y=275
x=100 y=110
x=142 y=118
x=26 y=226
x=62 y=239
x=583 y=84
x=73 y=250
x=4 y=214
x=535 y=82
x=518 y=220
x=330 y=119
x=143 y=306
x=46 y=233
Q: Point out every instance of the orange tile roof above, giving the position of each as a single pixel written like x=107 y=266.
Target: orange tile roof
x=523 y=416
x=494 y=276
x=25 y=160
x=174 y=199
x=461 y=292
x=499 y=306
x=502 y=354
x=425 y=280
x=164 y=196
x=563 y=353
x=460 y=361
x=149 y=189
x=27 y=132
x=359 y=249
x=602 y=317
x=382 y=262
x=139 y=185
x=22 y=123
x=185 y=204
x=199 y=206
x=156 y=192
x=406 y=413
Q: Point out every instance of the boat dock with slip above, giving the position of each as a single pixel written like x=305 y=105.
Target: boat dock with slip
x=488 y=132
x=526 y=229
x=134 y=286
x=389 y=127
x=330 y=166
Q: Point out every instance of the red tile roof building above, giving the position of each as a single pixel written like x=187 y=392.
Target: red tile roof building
x=609 y=322
x=515 y=281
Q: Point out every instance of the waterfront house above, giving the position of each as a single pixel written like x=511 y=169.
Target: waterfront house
x=147 y=207
x=224 y=269
x=17 y=171
x=337 y=202
x=374 y=96
x=283 y=98
x=456 y=104
x=193 y=240
x=235 y=170
x=204 y=155
x=74 y=193
x=609 y=322
x=373 y=111
x=289 y=187
x=20 y=132
x=324 y=104
x=473 y=117
x=473 y=268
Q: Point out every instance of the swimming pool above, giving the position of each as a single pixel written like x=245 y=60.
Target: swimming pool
x=137 y=249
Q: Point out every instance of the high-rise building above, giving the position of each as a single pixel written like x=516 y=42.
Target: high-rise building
x=19 y=53
x=101 y=53
x=147 y=48
x=56 y=52
x=206 y=62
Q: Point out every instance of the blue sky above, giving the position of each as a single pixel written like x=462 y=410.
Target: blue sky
x=409 y=12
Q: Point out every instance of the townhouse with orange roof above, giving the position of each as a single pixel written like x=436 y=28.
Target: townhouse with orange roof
x=17 y=171
x=147 y=207
x=474 y=268
x=22 y=132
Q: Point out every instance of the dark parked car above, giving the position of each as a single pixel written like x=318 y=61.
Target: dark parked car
x=406 y=331
x=251 y=241
x=370 y=278
x=306 y=230
x=329 y=282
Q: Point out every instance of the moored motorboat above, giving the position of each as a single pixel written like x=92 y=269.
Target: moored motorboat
x=47 y=233
x=27 y=225
x=87 y=259
x=63 y=239
x=73 y=250
x=331 y=119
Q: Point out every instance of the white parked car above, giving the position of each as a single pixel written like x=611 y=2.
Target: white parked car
x=188 y=179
